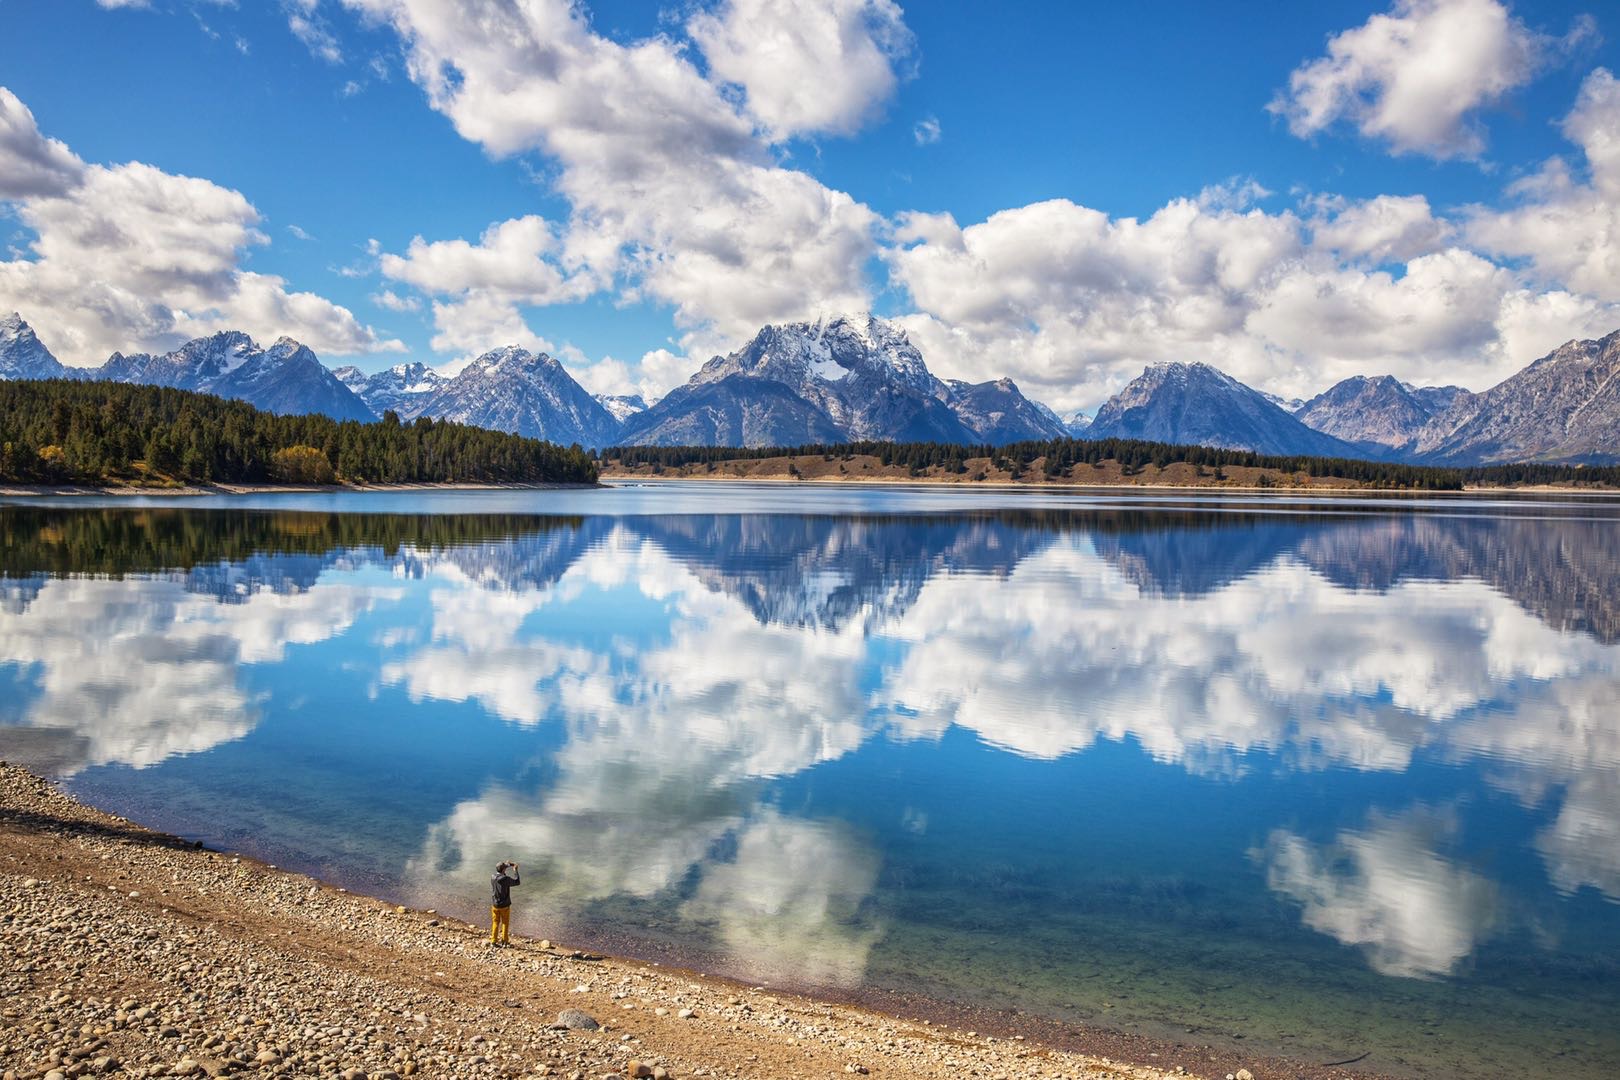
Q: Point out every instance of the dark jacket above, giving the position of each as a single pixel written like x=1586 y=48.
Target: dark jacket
x=500 y=888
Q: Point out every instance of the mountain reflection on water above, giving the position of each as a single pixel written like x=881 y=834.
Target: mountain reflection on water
x=1358 y=763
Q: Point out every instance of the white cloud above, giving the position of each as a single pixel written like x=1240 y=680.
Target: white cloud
x=31 y=164
x=298 y=233
x=1416 y=77
x=128 y=256
x=806 y=66
x=113 y=5
x=478 y=323
x=509 y=261
x=606 y=376
x=927 y=131
x=392 y=301
x=1568 y=226
x=1388 y=228
x=661 y=370
x=672 y=190
x=1073 y=303
x=311 y=28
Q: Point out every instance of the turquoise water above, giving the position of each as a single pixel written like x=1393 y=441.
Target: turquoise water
x=1319 y=777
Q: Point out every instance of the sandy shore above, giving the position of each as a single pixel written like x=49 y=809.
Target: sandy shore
x=131 y=953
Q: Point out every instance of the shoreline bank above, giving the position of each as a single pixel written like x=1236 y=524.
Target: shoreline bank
x=192 y=490
x=136 y=953
x=867 y=470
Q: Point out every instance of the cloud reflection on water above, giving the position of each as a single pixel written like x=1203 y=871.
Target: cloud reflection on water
x=767 y=646
x=1385 y=890
x=135 y=671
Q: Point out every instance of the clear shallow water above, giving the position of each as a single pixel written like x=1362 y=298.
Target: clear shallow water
x=1326 y=776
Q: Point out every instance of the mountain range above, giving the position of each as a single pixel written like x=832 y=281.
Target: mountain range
x=860 y=377
x=840 y=380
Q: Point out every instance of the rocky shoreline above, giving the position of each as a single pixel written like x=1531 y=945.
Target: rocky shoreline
x=133 y=953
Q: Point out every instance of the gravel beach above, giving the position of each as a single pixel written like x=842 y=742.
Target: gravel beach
x=131 y=953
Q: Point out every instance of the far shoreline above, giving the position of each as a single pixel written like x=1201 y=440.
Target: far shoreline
x=68 y=491
x=617 y=478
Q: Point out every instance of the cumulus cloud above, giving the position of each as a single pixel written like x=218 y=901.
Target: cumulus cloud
x=1388 y=228
x=1073 y=303
x=1567 y=224
x=1416 y=77
x=389 y=300
x=674 y=191
x=927 y=131
x=806 y=66
x=513 y=264
x=31 y=164
x=129 y=256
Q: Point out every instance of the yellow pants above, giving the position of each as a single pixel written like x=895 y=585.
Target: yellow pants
x=500 y=923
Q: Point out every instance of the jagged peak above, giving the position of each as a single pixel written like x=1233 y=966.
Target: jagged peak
x=1160 y=371
x=508 y=354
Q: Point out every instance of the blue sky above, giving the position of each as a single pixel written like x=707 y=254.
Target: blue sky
x=1055 y=192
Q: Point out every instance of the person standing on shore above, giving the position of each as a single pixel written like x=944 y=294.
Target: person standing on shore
x=500 y=902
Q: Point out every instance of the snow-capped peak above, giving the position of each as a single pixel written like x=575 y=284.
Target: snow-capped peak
x=22 y=354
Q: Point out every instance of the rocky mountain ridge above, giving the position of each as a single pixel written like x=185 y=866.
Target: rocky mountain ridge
x=861 y=377
x=512 y=389
x=1565 y=407
x=847 y=378
x=23 y=355
x=1377 y=415
x=1199 y=404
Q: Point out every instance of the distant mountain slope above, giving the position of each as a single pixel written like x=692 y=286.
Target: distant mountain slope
x=193 y=366
x=1197 y=404
x=512 y=389
x=735 y=411
x=1565 y=407
x=287 y=378
x=1437 y=399
x=1378 y=414
x=24 y=356
x=622 y=406
x=1077 y=424
x=998 y=414
x=404 y=388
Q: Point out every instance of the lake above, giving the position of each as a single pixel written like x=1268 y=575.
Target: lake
x=1309 y=776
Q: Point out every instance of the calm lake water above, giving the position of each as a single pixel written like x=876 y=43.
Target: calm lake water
x=1324 y=776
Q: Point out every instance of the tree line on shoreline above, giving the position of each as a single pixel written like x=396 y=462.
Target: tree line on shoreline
x=64 y=432
x=67 y=432
x=1060 y=458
